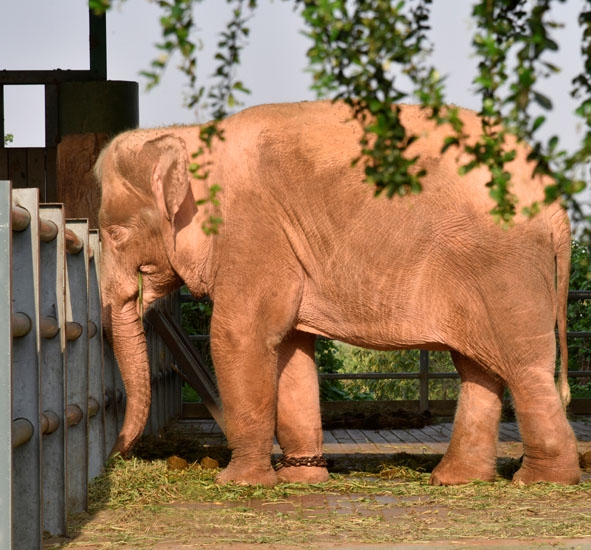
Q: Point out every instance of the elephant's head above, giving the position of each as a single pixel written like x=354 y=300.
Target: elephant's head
x=146 y=204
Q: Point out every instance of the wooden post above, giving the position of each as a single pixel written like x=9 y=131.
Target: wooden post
x=90 y=113
x=76 y=185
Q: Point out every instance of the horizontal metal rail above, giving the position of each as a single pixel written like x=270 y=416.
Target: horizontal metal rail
x=54 y=76
x=386 y=375
x=423 y=375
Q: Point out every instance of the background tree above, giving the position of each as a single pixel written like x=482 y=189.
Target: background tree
x=359 y=52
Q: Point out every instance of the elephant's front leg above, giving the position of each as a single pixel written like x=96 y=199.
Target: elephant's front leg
x=246 y=372
x=299 y=426
x=246 y=331
x=472 y=451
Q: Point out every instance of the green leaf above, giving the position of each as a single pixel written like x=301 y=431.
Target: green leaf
x=99 y=7
x=450 y=141
x=542 y=100
x=538 y=123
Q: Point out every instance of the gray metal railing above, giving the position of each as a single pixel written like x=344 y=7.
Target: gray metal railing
x=423 y=376
x=61 y=397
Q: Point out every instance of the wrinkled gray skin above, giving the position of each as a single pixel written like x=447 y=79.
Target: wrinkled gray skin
x=306 y=249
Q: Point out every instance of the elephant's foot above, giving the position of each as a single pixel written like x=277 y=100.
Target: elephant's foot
x=563 y=471
x=302 y=475
x=247 y=475
x=549 y=447
x=454 y=471
x=310 y=469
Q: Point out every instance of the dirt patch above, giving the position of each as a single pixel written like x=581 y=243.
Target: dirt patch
x=354 y=512
x=371 y=501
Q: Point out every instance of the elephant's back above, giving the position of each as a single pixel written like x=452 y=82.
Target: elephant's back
x=319 y=140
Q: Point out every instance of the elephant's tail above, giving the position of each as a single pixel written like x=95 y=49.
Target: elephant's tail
x=562 y=247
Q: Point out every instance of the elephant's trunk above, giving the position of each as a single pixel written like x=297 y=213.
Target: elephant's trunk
x=129 y=345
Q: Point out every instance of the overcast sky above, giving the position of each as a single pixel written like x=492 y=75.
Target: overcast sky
x=50 y=34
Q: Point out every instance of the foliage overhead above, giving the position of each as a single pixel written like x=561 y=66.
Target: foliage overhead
x=359 y=52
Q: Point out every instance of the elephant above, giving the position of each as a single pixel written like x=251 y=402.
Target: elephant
x=306 y=249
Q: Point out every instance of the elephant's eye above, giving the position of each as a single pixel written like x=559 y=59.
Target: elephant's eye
x=147 y=269
x=117 y=234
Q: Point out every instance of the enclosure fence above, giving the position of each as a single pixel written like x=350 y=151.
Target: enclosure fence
x=61 y=397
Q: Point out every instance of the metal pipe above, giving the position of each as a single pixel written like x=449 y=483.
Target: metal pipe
x=73 y=243
x=21 y=324
x=93 y=407
x=47 y=230
x=22 y=431
x=21 y=218
x=73 y=331
x=385 y=375
x=48 y=326
x=74 y=415
x=92 y=329
x=49 y=421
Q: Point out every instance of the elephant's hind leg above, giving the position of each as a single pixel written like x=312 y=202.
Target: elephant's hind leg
x=549 y=444
x=299 y=426
x=472 y=451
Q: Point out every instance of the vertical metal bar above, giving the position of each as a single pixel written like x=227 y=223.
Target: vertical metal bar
x=77 y=369
x=97 y=30
x=26 y=377
x=17 y=166
x=424 y=381
x=51 y=174
x=52 y=138
x=51 y=115
x=6 y=470
x=97 y=452
x=2 y=130
x=53 y=395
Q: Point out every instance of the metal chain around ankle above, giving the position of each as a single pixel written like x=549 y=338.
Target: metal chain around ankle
x=310 y=461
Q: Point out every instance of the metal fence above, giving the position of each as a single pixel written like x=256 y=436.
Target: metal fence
x=61 y=397
x=423 y=375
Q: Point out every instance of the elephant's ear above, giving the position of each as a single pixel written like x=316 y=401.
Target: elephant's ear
x=169 y=179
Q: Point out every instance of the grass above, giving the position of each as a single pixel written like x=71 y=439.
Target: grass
x=142 y=503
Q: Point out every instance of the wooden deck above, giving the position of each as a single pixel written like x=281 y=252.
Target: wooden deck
x=428 y=440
